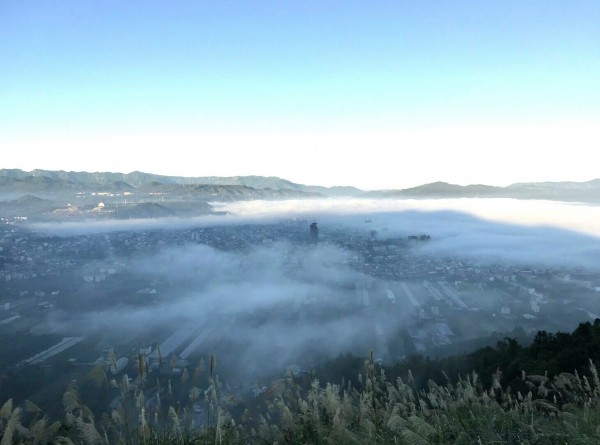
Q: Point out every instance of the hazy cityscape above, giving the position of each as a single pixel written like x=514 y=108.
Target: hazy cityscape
x=269 y=291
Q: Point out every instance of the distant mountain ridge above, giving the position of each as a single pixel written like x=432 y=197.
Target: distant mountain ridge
x=137 y=179
x=60 y=195
x=441 y=189
x=272 y=187
x=244 y=187
x=588 y=191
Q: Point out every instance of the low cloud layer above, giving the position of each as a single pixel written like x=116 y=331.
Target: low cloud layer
x=269 y=306
x=264 y=309
x=579 y=217
x=544 y=233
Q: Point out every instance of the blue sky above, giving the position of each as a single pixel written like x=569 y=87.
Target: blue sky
x=317 y=92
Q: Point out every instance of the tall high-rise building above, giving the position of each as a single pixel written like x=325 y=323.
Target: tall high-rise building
x=314 y=233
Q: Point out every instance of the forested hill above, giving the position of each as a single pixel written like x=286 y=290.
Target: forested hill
x=499 y=404
x=551 y=353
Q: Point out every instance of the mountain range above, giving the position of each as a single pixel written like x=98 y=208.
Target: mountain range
x=268 y=187
x=588 y=191
x=44 y=193
x=46 y=180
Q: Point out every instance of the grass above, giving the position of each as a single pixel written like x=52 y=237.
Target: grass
x=564 y=409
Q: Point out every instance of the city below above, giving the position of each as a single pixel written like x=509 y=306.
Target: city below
x=265 y=297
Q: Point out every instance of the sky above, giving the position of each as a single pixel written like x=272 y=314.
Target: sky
x=378 y=94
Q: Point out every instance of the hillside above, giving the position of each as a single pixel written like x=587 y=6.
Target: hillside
x=29 y=205
x=373 y=405
x=146 y=210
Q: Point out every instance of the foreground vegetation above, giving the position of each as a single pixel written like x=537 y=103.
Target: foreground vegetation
x=373 y=409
